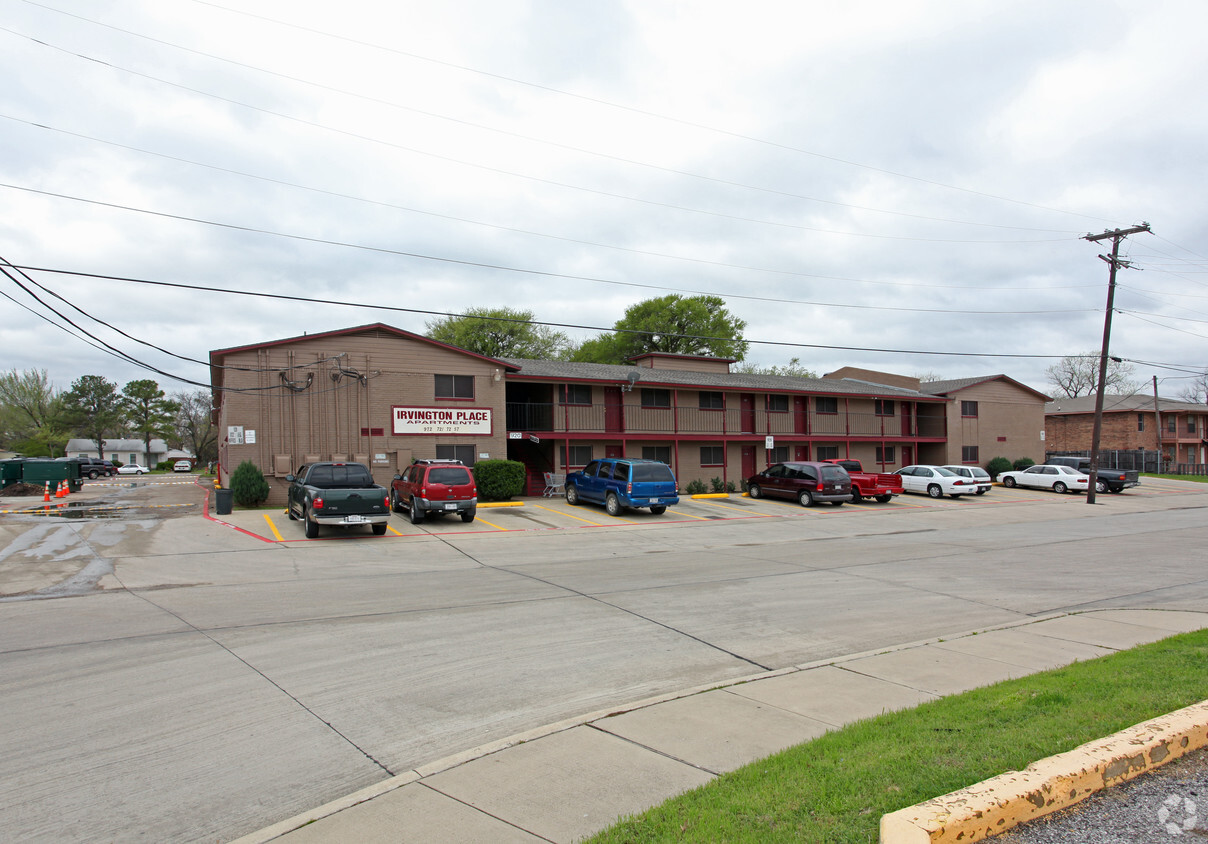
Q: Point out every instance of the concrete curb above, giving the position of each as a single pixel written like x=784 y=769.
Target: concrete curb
x=1005 y=801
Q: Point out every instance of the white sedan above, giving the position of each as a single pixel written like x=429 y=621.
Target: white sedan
x=132 y=469
x=1056 y=478
x=935 y=481
x=976 y=475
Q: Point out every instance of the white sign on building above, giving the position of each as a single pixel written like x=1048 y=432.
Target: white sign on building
x=463 y=421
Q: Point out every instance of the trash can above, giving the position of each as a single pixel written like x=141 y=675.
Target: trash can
x=222 y=501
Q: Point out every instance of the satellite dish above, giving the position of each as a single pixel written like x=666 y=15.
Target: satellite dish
x=633 y=377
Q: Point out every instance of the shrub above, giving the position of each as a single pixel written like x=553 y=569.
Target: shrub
x=997 y=466
x=165 y=465
x=696 y=487
x=730 y=487
x=499 y=480
x=248 y=486
x=717 y=485
x=1023 y=463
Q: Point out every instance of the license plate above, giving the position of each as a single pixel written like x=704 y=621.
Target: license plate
x=450 y=506
x=654 y=501
x=354 y=518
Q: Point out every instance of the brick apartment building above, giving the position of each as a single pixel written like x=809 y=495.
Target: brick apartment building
x=1179 y=430
x=381 y=396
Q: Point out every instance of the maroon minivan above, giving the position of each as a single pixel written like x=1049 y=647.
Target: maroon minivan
x=806 y=482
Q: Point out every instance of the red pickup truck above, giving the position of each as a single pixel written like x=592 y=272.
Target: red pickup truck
x=879 y=485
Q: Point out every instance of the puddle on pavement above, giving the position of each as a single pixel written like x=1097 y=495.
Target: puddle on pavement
x=79 y=510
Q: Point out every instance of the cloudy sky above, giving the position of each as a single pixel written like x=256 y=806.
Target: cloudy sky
x=861 y=182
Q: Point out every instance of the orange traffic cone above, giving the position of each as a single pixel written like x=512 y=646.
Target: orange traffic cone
x=59 y=490
x=46 y=493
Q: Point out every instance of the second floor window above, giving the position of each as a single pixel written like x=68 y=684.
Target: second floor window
x=968 y=408
x=656 y=398
x=711 y=401
x=884 y=407
x=1191 y=424
x=1140 y=421
x=1172 y=425
x=826 y=404
x=778 y=404
x=454 y=386
x=574 y=394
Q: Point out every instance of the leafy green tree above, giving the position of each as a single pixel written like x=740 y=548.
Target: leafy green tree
x=195 y=425
x=675 y=324
x=93 y=408
x=793 y=369
x=500 y=332
x=149 y=412
x=31 y=414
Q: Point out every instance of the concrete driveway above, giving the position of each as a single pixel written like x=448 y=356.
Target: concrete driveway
x=179 y=678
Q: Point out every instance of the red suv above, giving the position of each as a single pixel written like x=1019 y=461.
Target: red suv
x=435 y=486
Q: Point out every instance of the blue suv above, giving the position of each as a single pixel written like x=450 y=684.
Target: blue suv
x=620 y=482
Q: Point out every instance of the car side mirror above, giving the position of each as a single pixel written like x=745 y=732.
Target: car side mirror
x=398 y=477
x=290 y=478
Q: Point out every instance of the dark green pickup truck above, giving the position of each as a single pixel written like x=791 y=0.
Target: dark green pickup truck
x=338 y=494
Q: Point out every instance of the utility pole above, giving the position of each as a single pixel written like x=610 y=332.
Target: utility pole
x=1157 y=417
x=1113 y=262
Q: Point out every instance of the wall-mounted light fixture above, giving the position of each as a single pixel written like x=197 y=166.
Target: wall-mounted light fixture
x=498 y=374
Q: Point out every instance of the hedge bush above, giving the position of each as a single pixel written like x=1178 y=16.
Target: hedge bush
x=997 y=466
x=499 y=480
x=696 y=487
x=248 y=486
x=1023 y=463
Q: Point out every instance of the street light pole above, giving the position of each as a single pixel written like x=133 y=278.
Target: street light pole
x=1113 y=262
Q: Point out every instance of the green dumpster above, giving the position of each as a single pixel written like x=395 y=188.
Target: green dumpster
x=10 y=471
x=42 y=470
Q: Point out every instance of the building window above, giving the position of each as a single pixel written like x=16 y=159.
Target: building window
x=579 y=455
x=1191 y=424
x=884 y=407
x=454 y=386
x=655 y=398
x=574 y=394
x=969 y=409
x=778 y=454
x=661 y=453
x=464 y=453
x=885 y=454
x=1172 y=425
x=778 y=404
x=1140 y=421
x=711 y=401
x=827 y=452
x=826 y=404
x=969 y=454
x=712 y=455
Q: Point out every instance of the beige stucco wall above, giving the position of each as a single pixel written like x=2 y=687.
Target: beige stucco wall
x=1009 y=423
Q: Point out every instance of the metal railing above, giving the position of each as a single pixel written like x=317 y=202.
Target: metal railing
x=633 y=419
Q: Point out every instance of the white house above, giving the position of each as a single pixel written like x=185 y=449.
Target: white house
x=128 y=451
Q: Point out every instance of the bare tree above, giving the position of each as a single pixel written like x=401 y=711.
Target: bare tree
x=1078 y=375
x=1197 y=390
x=195 y=424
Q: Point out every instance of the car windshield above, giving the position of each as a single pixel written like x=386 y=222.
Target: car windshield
x=948 y=473
x=652 y=472
x=978 y=472
x=834 y=473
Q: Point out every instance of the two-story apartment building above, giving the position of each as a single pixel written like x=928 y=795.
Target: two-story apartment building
x=1178 y=429
x=383 y=396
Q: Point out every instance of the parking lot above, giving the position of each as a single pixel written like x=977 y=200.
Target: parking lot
x=556 y=514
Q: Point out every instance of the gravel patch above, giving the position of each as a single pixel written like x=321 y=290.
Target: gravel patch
x=1165 y=805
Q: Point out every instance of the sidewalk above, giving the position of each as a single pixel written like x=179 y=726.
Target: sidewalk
x=569 y=780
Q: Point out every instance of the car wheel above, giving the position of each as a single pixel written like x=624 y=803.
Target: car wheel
x=380 y=529
x=1060 y=488
x=754 y=491
x=658 y=509
x=1008 y=482
x=980 y=492
x=467 y=516
x=856 y=498
x=612 y=504
x=417 y=515
x=572 y=495
x=93 y=474
x=805 y=499
x=837 y=503
x=1100 y=486
x=884 y=499
x=394 y=505
x=935 y=491
x=312 y=527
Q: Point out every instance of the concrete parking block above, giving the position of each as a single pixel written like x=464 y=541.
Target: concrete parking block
x=1094 y=629
x=832 y=694
x=412 y=813
x=1018 y=646
x=936 y=670
x=599 y=778
x=718 y=730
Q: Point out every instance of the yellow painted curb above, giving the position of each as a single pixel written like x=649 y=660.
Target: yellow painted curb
x=1005 y=801
x=711 y=495
x=501 y=504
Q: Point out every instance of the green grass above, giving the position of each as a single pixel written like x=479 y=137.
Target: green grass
x=1202 y=479
x=835 y=788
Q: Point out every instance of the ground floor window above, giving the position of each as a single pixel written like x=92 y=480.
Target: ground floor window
x=828 y=452
x=779 y=454
x=662 y=453
x=969 y=454
x=885 y=454
x=578 y=455
x=464 y=453
x=712 y=455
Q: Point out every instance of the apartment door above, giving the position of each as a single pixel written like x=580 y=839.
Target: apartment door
x=614 y=410
x=802 y=453
x=801 y=416
x=746 y=403
x=748 y=461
